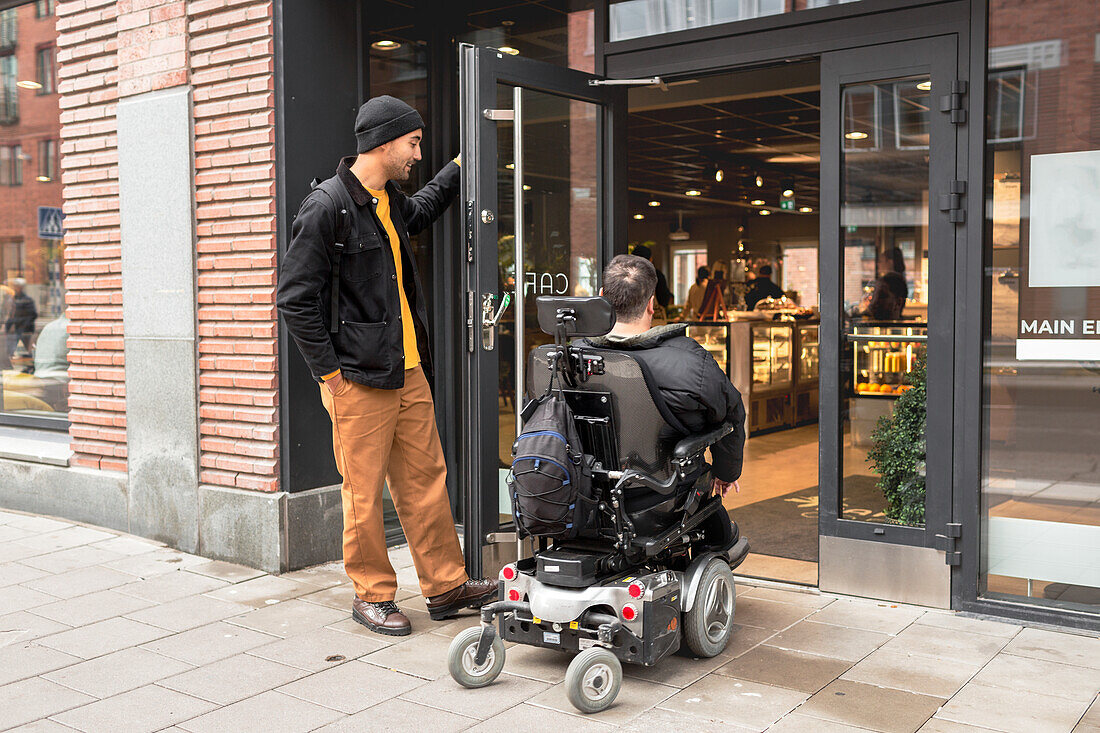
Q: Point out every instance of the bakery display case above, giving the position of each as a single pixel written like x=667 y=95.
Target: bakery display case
x=807 y=372
x=771 y=356
x=715 y=338
x=883 y=353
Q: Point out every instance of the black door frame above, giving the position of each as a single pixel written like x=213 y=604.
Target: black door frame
x=482 y=71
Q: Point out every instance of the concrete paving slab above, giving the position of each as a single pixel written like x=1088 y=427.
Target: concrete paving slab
x=37 y=524
x=90 y=608
x=958 y=646
x=397 y=715
x=77 y=557
x=338 y=596
x=351 y=626
x=232 y=679
x=742 y=639
x=79 y=582
x=270 y=712
x=351 y=687
x=24 y=625
x=829 y=641
x=1090 y=721
x=227 y=571
x=938 y=725
x=13 y=573
x=530 y=717
x=1027 y=675
x=263 y=591
x=27 y=659
x=872 y=707
x=289 y=618
x=1007 y=710
x=767 y=614
x=883 y=617
x=45 y=725
x=118 y=672
x=318 y=649
x=741 y=702
x=926 y=675
x=483 y=703
x=143 y=710
x=8 y=532
x=127 y=545
x=536 y=663
x=635 y=698
x=675 y=670
x=33 y=698
x=785 y=668
x=660 y=719
x=188 y=613
x=322 y=576
x=104 y=637
x=171 y=586
x=808 y=598
x=17 y=598
x=14 y=550
x=424 y=656
x=155 y=562
x=1083 y=651
x=955 y=622
x=795 y=723
x=209 y=643
x=64 y=539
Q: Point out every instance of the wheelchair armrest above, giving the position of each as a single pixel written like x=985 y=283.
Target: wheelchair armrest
x=696 y=444
x=664 y=488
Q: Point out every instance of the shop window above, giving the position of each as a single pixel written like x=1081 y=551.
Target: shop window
x=46 y=70
x=639 y=18
x=33 y=329
x=686 y=261
x=1040 y=491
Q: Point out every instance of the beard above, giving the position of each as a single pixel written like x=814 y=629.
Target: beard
x=399 y=167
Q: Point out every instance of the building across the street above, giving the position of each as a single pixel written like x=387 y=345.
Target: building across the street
x=919 y=178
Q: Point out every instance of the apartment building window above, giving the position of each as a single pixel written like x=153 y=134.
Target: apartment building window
x=46 y=69
x=9 y=92
x=47 y=161
x=43 y=8
x=11 y=165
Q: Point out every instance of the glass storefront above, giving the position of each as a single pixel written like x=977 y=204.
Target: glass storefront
x=33 y=327
x=639 y=18
x=1040 y=498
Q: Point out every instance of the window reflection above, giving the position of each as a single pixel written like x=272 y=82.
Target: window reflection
x=638 y=18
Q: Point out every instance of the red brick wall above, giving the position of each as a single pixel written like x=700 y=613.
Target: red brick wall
x=223 y=48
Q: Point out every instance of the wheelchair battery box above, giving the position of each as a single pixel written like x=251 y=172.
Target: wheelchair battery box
x=566 y=568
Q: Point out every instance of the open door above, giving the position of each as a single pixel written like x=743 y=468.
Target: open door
x=543 y=191
x=891 y=211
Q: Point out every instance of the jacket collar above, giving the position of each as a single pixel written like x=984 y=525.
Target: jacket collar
x=359 y=194
x=647 y=340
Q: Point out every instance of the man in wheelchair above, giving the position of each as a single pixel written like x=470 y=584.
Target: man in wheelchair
x=648 y=562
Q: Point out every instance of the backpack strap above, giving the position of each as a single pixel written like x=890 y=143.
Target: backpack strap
x=343 y=231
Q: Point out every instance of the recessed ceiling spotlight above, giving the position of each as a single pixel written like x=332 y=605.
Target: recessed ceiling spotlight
x=719 y=175
x=765 y=212
x=509 y=50
x=757 y=202
x=639 y=216
x=28 y=84
x=510 y=166
x=806 y=210
x=924 y=86
x=693 y=192
x=788 y=192
x=759 y=181
x=654 y=202
x=386 y=45
x=856 y=135
x=526 y=187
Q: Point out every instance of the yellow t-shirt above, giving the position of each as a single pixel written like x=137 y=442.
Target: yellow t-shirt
x=412 y=354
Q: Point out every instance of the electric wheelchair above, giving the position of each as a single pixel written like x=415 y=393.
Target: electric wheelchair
x=657 y=571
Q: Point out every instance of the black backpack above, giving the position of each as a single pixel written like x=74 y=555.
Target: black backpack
x=551 y=477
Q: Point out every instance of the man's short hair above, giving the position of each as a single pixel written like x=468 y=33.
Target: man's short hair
x=766 y=271
x=643 y=251
x=628 y=283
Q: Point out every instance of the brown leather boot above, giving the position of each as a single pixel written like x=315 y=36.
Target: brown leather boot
x=382 y=617
x=471 y=594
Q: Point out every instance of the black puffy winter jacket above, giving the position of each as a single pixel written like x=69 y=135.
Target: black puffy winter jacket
x=694 y=388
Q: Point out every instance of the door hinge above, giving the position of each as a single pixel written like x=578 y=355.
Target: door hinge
x=470 y=208
x=946 y=542
x=953 y=102
x=648 y=81
x=952 y=202
x=471 y=321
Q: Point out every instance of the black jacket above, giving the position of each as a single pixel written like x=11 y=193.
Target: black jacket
x=23 y=314
x=694 y=388
x=368 y=344
x=762 y=287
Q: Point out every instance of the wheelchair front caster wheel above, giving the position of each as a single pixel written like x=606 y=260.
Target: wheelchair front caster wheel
x=462 y=659
x=593 y=680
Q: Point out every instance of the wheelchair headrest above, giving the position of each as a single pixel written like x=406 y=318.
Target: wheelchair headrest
x=592 y=316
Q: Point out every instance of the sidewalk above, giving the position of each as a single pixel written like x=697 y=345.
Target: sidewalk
x=108 y=632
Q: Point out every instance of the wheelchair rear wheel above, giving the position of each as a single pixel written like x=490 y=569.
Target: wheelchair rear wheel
x=593 y=680
x=709 y=623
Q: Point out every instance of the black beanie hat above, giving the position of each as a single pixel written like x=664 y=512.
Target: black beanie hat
x=382 y=119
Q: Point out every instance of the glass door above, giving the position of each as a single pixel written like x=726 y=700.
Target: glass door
x=890 y=213
x=538 y=152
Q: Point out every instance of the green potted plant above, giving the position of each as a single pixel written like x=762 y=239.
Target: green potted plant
x=898 y=451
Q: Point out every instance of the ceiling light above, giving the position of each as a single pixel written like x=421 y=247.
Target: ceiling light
x=510 y=166
x=526 y=187
x=757 y=202
x=759 y=181
x=719 y=174
x=924 y=86
x=43 y=179
x=856 y=135
x=693 y=192
x=788 y=192
x=806 y=210
x=741 y=246
x=654 y=202
x=509 y=50
x=765 y=212
x=28 y=84
x=639 y=216
x=385 y=45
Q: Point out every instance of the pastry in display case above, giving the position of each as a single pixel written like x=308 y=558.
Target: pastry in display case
x=883 y=354
x=714 y=337
x=771 y=355
x=808 y=358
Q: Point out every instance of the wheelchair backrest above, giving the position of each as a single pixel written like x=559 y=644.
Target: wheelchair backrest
x=638 y=432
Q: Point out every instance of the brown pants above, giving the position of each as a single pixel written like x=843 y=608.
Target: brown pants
x=391 y=433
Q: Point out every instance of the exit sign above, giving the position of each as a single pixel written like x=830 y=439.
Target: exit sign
x=787 y=204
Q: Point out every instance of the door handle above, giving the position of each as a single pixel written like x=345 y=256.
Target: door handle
x=489 y=319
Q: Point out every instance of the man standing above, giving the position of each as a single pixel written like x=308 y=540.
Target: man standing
x=20 y=322
x=351 y=297
x=762 y=287
x=663 y=294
